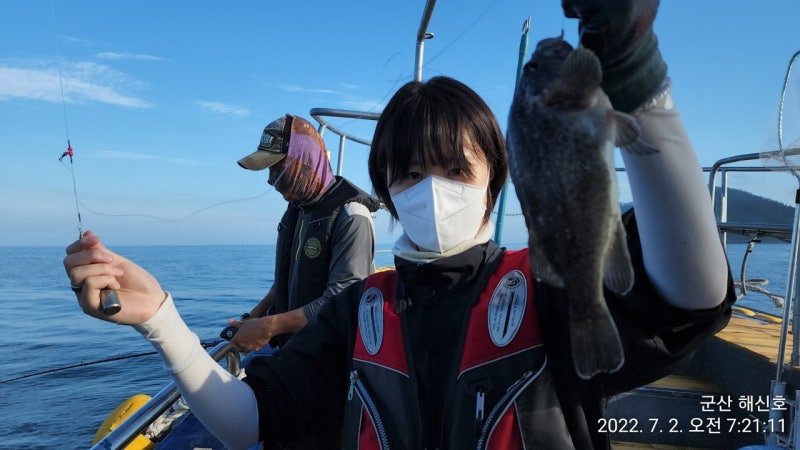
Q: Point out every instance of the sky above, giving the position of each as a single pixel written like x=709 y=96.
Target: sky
x=160 y=99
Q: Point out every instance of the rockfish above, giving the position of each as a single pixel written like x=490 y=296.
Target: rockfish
x=562 y=132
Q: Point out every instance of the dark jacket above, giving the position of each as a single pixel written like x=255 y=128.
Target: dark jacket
x=320 y=251
x=302 y=391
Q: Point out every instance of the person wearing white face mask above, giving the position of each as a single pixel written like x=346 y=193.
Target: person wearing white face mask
x=460 y=346
x=441 y=217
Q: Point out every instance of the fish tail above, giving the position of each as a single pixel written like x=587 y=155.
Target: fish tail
x=596 y=346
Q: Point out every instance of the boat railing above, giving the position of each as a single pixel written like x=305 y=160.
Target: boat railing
x=721 y=168
x=718 y=180
x=322 y=115
x=791 y=309
x=127 y=431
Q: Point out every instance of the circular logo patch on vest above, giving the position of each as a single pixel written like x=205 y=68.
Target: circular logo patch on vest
x=507 y=308
x=370 y=319
x=312 y=248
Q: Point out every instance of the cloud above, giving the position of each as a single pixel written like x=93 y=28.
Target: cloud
x=128 y=56
x=74 y=40
x=131 y=156
x=224 y=109
x=299 y=89
x=341 y=97
x=81 y=82
x=364 y=105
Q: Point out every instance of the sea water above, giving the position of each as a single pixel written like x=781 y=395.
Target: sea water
x=42 y=328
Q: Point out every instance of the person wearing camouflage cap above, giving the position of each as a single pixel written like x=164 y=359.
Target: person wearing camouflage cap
x=325 y=237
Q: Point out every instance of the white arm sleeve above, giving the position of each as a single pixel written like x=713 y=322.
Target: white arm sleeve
x=222 y=402
x=681 y=247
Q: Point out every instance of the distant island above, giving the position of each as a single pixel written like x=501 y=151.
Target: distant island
x=747 y=208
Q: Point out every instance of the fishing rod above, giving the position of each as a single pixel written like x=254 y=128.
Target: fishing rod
x=523 y=52
x=109 y=299
x=95 y=362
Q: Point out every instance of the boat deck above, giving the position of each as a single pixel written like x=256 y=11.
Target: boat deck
x=759 y=337
x=739 y=361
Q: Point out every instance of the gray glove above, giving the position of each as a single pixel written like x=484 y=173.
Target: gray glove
x=620 y=32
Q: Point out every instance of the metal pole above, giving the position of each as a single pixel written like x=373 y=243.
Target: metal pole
x=723 y=205
x=423 y=34
x=790 y=288
x=340 y=166
x=501 y=204
x=793 y=273
x=778 y=387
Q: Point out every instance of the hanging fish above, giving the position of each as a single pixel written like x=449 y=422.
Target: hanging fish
x=561 y=136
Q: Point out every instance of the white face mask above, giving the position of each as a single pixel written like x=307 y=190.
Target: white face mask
x=437 y=213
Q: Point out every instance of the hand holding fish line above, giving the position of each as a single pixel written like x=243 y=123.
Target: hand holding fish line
x=108 y=297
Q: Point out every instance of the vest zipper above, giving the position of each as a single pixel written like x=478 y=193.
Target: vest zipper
x=357 y=386
x=300 y=239
x=479 y=407
x=511 y=394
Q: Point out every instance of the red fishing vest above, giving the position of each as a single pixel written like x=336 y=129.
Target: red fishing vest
x=502 y=371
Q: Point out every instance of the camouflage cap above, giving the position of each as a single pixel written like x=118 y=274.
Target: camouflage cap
x=273 y=146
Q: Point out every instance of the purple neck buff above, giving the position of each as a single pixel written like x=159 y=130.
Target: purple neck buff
x=306 y=168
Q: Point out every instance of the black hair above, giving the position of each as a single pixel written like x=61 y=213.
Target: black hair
x=434 y=120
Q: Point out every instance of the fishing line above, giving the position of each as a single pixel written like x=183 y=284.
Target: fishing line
x=95 y=362
x=109 y=299
x=461 y=35
x=395 y=82
x=178 y=219
x=69 y=151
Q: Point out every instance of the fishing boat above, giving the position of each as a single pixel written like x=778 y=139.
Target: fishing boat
x=739 y=390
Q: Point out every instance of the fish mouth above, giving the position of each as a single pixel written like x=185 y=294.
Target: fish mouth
x=555 y=47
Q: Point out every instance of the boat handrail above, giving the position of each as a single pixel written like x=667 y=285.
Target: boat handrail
x=791 y=308
x=127 y=431
x=718 y=166
x=721 y=168
x=320 y=115
x=781 y=232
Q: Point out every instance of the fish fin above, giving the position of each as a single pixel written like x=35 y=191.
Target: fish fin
x=542 y=269
x=580 y=76
x=628 y=130
x=582 y=68
x=596 y=346
x=618 y=275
